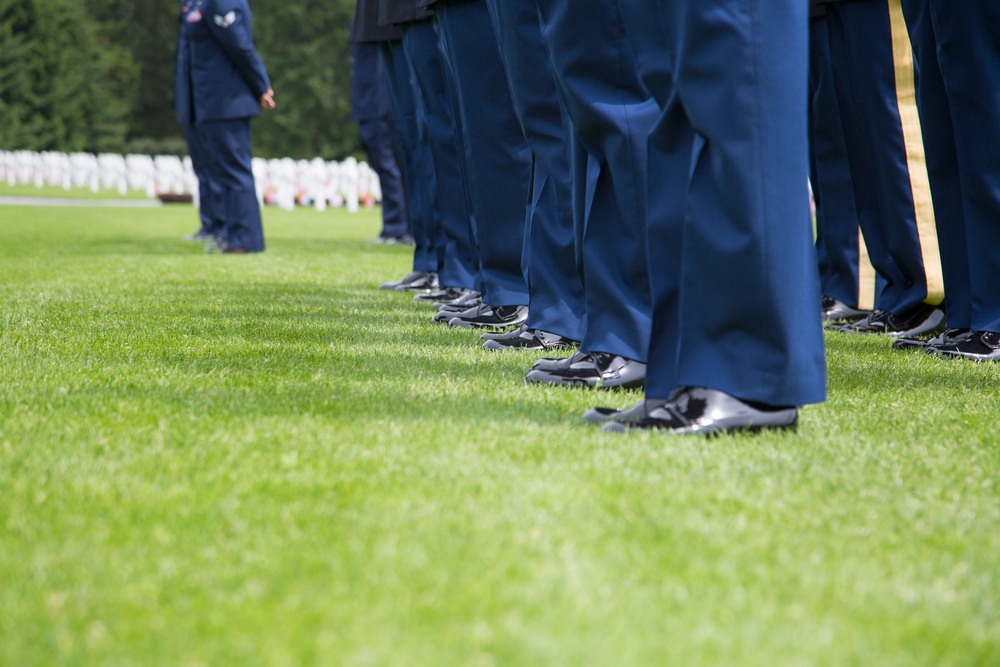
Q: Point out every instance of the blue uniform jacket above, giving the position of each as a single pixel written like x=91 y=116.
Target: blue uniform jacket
x=217 y=59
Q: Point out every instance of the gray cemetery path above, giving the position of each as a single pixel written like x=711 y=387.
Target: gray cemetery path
x=6 y=200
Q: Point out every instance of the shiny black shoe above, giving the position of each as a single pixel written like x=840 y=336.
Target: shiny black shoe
x=449 y=312
x=978 y=346
x=553 y=363
x=838 y=311
x=636 y=413
x=922 y=319
x=463 y=303
x=513 y=333
x=699 y=410
x=946 y=337
x=592 y=369
x=528 y=339
x=469 y=298
x=417 y=281
x=501 y=317
x=443 y=295
x=876 y=318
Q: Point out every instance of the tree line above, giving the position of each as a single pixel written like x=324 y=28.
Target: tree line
x=97 y=76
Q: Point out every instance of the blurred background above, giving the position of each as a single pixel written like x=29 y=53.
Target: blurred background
x=96 y=76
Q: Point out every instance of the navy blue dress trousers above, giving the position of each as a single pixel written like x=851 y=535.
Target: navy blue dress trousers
x=371 y=108
x=612 y=113
x=549 y=261
x=459 y=260
x=732 y=264
x=885 y=154
x=497 y=161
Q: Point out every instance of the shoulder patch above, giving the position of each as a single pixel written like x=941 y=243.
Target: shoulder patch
x=225 y=21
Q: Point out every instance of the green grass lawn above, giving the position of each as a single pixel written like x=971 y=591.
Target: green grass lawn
x=265 y=460
x=56 y=192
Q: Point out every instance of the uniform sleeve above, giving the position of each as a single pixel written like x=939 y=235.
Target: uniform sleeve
x=229 y=24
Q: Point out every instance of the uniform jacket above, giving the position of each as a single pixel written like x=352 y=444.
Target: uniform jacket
x=223 y=72
x=366 y=24
x=817 y=8
x=396 y=12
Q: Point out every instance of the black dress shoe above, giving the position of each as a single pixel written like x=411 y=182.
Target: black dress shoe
x=443 y=295
x=402 y=239
x=528 y=339
x=500 y=317
x=592 y=369
x=946 y=337
x=553 y=363
x=977 y=346
x=459 y=306
x=236 y=250
x=427 y=283
x=448 y=312
x=417 y=281
x=922 y=319
x=838 y=311
x=699 y=410
x=469 y=298
x=635 y=413
x=495 y=335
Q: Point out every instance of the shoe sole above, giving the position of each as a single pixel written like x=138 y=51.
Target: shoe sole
x=909 y=345
x=624 y=386
x=494 y=346
x=944 y=354
x=588 y=383
x=480 y=325
x=711 y=432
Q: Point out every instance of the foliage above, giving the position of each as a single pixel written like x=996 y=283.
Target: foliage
x=15 y=82
x=57 y=79
x=17 y=98
x=306 y=48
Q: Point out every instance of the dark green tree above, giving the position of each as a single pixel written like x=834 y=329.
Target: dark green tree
x=56 y=79
x=306 y=48
x=147 y=31
x=17 y=126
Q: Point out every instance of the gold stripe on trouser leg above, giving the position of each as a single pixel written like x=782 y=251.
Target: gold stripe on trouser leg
x=866 y=277
x=906 y=99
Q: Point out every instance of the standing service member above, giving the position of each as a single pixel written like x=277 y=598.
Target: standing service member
x=227 y=86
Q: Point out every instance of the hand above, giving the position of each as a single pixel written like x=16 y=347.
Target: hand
x=267 y=99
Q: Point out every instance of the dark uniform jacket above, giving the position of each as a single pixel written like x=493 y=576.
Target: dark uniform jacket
x=367 y=27
x=227 y=77
x=396 y=12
